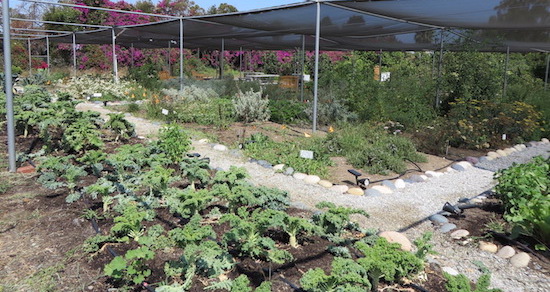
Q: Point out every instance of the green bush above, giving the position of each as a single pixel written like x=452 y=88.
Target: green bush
x=287 y=111
x=251 y=106
x=525 y=191
x=372 y=149
x=481 y=123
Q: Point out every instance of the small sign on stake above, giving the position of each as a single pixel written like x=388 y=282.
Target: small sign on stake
x=97 y=95
x=306 y=154
x=165 y=112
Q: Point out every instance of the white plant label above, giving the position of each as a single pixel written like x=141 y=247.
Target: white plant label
x=165 y=112
x=97 y=95
x=503 y=136
x=306 y=154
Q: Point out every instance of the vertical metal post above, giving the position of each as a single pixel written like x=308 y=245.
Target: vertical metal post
x=30 y=55
x=546 y=75
x=48 y=52
x=8 y=85
x=115 y=63
x=241 y=62
x=221 y=59
x=303 y=68
x=380 y=65
x=505 y=85
x=316 y=71
x=181 y=54
x=132 y=54
x=168 y=56
x=439 y=72
x=74 y=54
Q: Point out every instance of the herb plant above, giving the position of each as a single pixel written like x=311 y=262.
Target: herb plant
x=130 y=267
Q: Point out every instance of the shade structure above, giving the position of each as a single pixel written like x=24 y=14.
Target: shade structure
x=494 y=25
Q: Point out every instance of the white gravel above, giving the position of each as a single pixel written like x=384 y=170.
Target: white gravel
x=405 y=209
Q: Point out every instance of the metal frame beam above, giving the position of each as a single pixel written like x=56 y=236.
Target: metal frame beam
x=8 y=85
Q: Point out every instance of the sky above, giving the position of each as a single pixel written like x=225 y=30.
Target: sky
x=242 y=5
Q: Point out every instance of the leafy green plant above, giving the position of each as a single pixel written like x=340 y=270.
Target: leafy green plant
x=524 y=190
x=423 y=245
x=130 y=221
x=120 y=126
x=57 y=172
x=192 y=233
x=335 y=219
x=345 y=275
x=387 y=260
x=293 y=226
x=174 y=142
x=82 y=136
x=157 y=179
x=130 y=267
x=187 y=202
x=287 y=111
x=247 y=195
x=461 y=283
x=195 y=170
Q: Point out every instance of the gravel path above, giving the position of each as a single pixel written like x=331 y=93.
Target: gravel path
x=406 y=209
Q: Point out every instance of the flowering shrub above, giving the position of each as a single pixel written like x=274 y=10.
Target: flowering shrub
x=191 y=94
x=86 y=86
x=482 y=123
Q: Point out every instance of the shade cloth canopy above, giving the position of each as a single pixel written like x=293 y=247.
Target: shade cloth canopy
x=488 y=25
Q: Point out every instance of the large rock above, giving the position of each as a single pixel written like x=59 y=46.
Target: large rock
x=220 y=147
x=431 y=173
x=502 y=153
x=462 y=166
x=389 y=184
x=340 y=188
x=519 y=147
x=384 y=190
x=493 y=154
x=325 y=184
x=545 y=140
x=488 y=246
x=439 y=219
x=418 y=178
x=447 y=227
x=312 y=179
x=356 y=191
x=392 y=236
x=509 y=151
x=506 y=252
x=299 y=175
x=459 y=234
x=278 y=167
x=399 y=183
x=520 y=260
x=472 y=160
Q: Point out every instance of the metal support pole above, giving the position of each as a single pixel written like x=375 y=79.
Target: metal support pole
x=439 y=72
x=303 y=68
x=505 y=85
x=168 y=57
x=546 y=75
x=241 y=62
x=316 y=71
x=48 y=53
x=132 y=54
x=181 y=54
x=30 y=55
x=74 y=54
x=222 y=52
x=115 y=63
x=8 y=85
x=380 y=65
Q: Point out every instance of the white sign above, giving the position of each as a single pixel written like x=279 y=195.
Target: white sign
x=97 y=95
x=306 y=154
x=503 y=136
x=385 y=76
x=165 y=112
x=306 y=78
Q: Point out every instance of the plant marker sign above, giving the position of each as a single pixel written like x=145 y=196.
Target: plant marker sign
x=306 y=154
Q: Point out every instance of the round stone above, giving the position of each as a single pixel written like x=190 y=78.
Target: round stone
x=418 y=178
x=372 y=192
x=299 y=175
x=220 y=147
x=278 y=167
x=472 y=160
x=447 y=227
x=203 y=141
x=502 y=153
x=325 y=184
x=459 y=234
x=545 y=140
x=399 y=183
x=383 y=190
x=520 y=260
x=389 y=184
x=392 y=236
x=462 y=165
x=431 y=173
x=356 y=191
x=439 y=219
x=506 y=252
x=488 y=246
x=340 y=188
x=289 y=171
x=493 y=154
x=312 y=179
